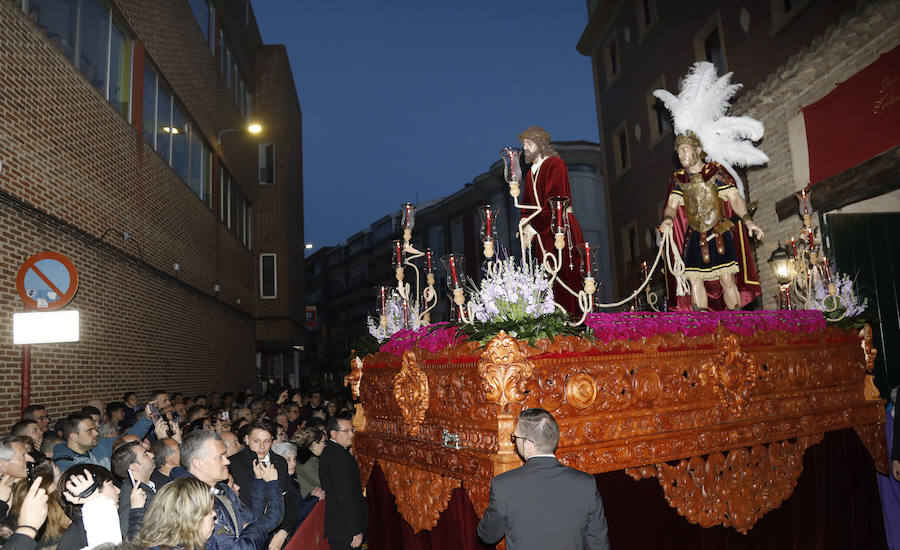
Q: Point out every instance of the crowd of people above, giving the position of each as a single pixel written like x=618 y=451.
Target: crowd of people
x=233 y=472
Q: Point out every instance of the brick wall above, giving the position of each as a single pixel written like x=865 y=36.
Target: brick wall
x=73 y=168
x=836 y=55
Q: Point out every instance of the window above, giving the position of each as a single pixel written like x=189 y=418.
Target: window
x=647 y=16
x=611 y=59
x=709 y=45
x=234 y=79
x=268 y=280
x=621 y=152
x=168 y=130
x=630 y=244
x=784 y=11
x=88 y=34
x=235 y=210
x=657 y=114
x=266 y=163
x=202 y=15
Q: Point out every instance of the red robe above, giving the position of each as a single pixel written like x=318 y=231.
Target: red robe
x=746 y=278
x=553 y=181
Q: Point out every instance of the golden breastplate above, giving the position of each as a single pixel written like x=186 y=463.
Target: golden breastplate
x=702 y=205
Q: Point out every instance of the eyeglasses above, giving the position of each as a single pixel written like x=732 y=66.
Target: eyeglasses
x=514 y=437
x=351 y=430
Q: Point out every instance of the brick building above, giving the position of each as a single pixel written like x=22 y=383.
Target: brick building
x=123 y=146
x=342 y=279
x=788 y=56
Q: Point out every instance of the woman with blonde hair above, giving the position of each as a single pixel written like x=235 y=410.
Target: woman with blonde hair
x=180 y=516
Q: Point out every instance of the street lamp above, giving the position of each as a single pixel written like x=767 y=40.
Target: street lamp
x=253 y=128
x=784 y=266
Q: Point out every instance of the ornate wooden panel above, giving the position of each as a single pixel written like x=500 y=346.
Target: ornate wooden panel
x=733 y=412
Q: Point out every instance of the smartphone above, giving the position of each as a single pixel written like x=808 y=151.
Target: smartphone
x=224 y=415
x=154 y=412
x=29 y=472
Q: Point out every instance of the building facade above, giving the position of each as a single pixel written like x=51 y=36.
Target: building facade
x=447 y=225
x=795 y=61
x=123 y=146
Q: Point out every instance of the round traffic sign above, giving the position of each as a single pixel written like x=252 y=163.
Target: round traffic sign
x=47 y=281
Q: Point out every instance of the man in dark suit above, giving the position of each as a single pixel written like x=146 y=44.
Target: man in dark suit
x=260 y=434
x=134 y=465
x=346 y=517
x=543 y=504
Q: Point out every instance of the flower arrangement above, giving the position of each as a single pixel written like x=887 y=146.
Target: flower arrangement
x=393 y=311
x=512 y=292
x=843 y=307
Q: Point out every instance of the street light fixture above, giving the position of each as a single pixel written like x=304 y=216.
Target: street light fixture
x=253 y=128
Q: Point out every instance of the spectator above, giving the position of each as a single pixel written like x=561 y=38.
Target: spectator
x=116 y=413
x=50 y=441
x=108 y=430
x=227 y=400
x=288 y=451
x=258 y=441
x=346 y=517
x=311 y=442
x=166 y=456
x=32 y=515
x=197 y=412
x=315 y=401
x=160 y=399
x=97 y=405
x=215 y=400
x=131 y=401
x=134 y=465
x=232 y=444
x=238 y=527
x=95 y=414
x=181 y=516
x=29 y=428
x=90 y=499
x=38 y=413
x=57 y=521
x=83 y=444
x=13 y=457
x=292 y=412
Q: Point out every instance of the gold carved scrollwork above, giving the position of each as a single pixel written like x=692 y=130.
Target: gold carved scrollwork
x=479 y=494
x=734 y=489
x=504 y=370
x=366 y=463
x=355 y=377
x=411 y=393
x=581 y=390
x=420 y=495
x=731 y=373
x=646 y=384
x=872 y=436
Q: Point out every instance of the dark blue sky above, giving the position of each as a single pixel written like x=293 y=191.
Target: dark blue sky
x=407 y=100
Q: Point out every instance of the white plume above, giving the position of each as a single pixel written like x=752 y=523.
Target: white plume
x=700 y=108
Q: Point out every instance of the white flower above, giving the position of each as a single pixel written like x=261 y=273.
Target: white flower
x=512 y=292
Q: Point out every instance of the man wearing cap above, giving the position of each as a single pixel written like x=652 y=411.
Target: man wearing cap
x=548 y=177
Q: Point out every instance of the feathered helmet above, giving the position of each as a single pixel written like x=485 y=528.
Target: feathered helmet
x=698 y=117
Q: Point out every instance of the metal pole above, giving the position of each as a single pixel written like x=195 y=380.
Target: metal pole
x=26 y=375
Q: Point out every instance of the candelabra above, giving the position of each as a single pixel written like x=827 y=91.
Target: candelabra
x=404 y=254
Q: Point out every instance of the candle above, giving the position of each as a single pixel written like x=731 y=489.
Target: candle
x=794 y=247
x=428 y=254
x=560 y=212
x=383 y=297
x=398 y=254
x=827 y=270
x=588 y=266
x=487 y=222
x=805 y=201
x=812 y=240
x=453 y=271
x=644 y=269
x=405 y=313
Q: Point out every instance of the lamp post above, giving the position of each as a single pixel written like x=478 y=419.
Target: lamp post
x=784 y=266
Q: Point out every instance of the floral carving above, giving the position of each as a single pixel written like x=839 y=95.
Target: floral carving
x=411 y=392
x=733 y=489
x=867 y=346
x=420 y=495
x=479 y=494
x=504 y=370
x=645 y=382
x=366 y=463
x=581 y=390
x=732 y=372
x=355 y=377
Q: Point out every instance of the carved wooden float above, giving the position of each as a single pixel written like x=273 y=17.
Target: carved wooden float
x=722 y=420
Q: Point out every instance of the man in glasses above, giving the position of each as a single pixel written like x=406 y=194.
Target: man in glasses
x=346 y=518
x=543 y=504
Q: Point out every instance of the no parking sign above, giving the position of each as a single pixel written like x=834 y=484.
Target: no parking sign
x=47 y=281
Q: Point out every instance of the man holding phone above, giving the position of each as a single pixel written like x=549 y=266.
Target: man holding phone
x=14 y=458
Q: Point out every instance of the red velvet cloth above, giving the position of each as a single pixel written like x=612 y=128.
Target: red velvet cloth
x=835 y=506
x=553 y=181
x=746 y=278
x=311 y=533
x=858 y=120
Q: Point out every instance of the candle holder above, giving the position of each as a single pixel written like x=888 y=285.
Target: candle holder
x=407 y=220
x=488 y=215
x=512 y=170
x=398 y=257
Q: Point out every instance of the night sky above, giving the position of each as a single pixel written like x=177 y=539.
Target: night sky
x=409 y=100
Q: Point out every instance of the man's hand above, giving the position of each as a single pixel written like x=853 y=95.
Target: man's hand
x=138 y=498
x=283 y=397
x=34 y=510
x=318 y=492
x=278 y=540
x=357 y=541
x=896 y=469
x=176 y=432
x=77 y=484
x=265 y=471
x=753 y=228
x=666 y=223
x=161 y=428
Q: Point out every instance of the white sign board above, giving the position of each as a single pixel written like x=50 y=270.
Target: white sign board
x=45 y=327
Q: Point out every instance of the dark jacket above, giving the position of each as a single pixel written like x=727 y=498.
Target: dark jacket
x=345 y=510
x=125 y=504
x=260 y=518
x=100 y=454
x=19 y=542
x=241 y=469
x=544 y=504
